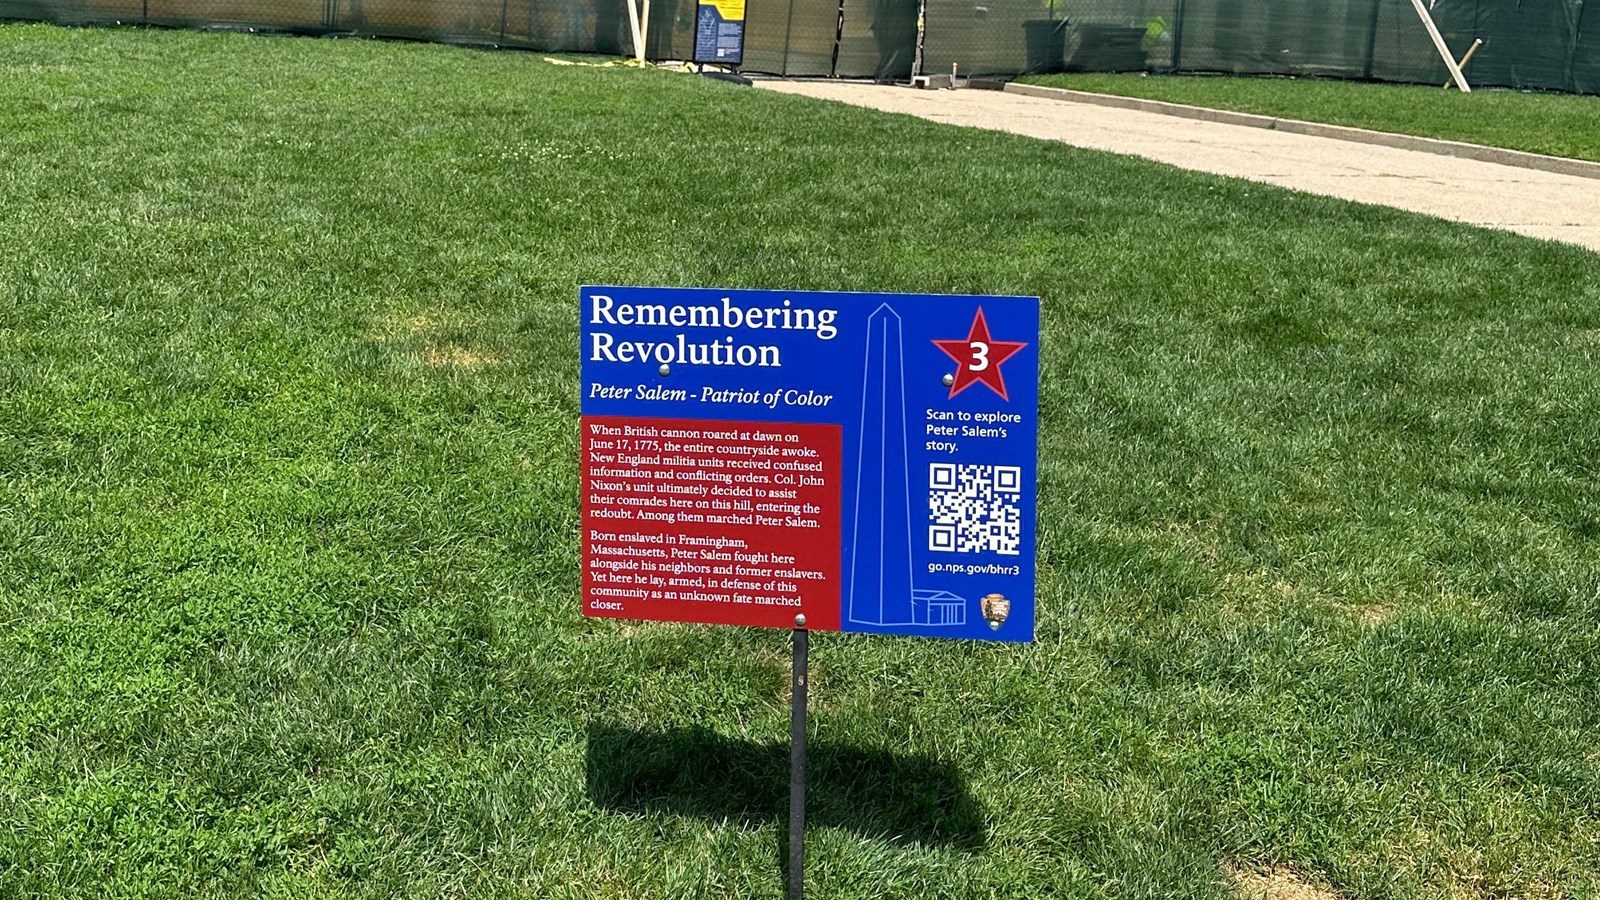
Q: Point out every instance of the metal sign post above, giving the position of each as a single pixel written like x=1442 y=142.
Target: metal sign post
x=798 y=676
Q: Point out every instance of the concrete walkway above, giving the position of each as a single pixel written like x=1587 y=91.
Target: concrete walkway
x=1527 y=201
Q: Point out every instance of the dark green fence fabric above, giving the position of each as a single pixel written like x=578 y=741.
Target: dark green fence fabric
x=1537 y=44
x=1547 y=45
x=790 y=37
x=580 y=26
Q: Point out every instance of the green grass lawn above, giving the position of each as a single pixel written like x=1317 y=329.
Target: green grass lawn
x=288 y=505
x=1554 y=124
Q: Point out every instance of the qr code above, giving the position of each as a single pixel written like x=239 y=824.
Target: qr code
x=973 y=509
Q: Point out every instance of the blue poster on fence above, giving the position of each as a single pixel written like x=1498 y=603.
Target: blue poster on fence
x=868 y=460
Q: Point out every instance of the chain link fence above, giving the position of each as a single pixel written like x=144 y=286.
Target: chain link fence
x=1536 y=44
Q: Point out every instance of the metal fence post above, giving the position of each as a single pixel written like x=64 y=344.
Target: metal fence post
x=1177 y=34
x=1372 y=39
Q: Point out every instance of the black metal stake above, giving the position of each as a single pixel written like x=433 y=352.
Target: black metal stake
x=788 y=30
x=798 y=676
x=838 y=38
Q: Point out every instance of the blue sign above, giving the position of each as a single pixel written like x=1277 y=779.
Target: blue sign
x=719 y=32
x=867 y=460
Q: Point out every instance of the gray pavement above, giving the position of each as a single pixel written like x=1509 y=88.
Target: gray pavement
x=1533 y=202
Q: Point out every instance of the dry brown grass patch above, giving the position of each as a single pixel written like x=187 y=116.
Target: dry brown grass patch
x=457 y=357
x=406 y=325
x=427 y=333
x=1375 y=613
x=1197 y=540
x=1275 y=883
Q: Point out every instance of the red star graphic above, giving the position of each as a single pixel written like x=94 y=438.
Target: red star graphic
x=979 y=358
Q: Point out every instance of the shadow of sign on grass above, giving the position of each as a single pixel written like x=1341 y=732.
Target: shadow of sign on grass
x=896 y=797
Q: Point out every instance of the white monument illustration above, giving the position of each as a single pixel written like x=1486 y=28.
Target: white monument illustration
x=886 y=594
